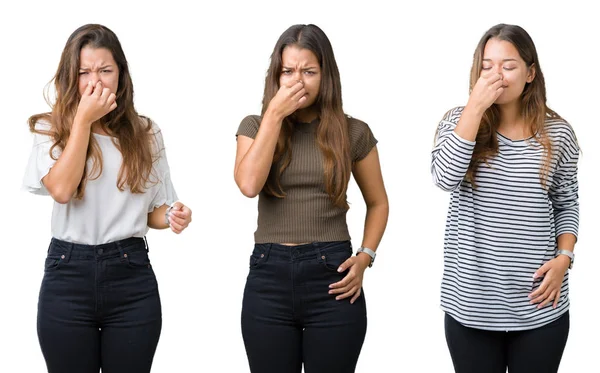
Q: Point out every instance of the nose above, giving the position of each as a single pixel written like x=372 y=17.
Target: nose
x=93 y=77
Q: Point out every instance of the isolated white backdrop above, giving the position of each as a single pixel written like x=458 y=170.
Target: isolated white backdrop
x=198 y=68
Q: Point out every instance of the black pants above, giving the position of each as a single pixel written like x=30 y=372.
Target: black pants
x=530 y=351
x=99 y=308
x=288 y=316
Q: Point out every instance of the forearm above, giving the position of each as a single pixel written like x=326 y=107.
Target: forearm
x=64 y=177
x=156 y=218
x=566 y=241
x=375 y=223
x=254 y=168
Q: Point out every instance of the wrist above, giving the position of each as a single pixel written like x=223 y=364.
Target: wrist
x=364 y=260
x=274 y=115
x=564 y=261
x=475 y=109
x=81 y=122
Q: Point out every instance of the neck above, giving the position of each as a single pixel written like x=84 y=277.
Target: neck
x=512 y=123
x=99 y=129
x=306 y=115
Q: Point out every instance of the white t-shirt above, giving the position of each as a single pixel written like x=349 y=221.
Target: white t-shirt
x=104 y=214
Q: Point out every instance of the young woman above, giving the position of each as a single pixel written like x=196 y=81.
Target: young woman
x=511 y=165
x=106 y=169
x=303 y=301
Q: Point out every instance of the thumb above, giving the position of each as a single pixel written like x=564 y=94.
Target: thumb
x=88 y=89
x=542 y=270
x=344 y=266
x=177 y=206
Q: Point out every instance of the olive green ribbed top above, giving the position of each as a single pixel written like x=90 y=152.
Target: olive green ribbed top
x=306 y=214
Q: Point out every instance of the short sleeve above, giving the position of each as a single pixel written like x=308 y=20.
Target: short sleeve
x=166 y=194
x=362 y=140
x=249 y=126
x=40 y=161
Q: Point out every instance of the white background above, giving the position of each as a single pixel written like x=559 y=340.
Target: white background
x=198 y=70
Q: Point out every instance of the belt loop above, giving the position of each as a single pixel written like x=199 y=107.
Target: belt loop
x=319 y=254
x=268 y=250
x=70 y=247
x=122 y=253
x=146 y=244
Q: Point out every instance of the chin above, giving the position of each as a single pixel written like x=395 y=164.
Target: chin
x=505 y=100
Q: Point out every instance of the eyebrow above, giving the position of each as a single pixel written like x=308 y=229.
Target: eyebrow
x=306 y=68
x=504 y=60
x=101 y=67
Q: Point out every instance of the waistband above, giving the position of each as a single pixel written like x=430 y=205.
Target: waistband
x=304 y=250
x=68 y=250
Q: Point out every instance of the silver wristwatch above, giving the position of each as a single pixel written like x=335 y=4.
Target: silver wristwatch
x=367 y=251
x=167 y=214
x=568 y=253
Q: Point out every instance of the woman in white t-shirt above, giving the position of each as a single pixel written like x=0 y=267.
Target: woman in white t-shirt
x=106 y=168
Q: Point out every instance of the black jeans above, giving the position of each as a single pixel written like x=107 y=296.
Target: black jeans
x=536 y=350
x=99 y=308
x=288 y=316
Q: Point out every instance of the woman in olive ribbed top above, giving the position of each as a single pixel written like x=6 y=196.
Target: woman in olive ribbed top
x=303 y=302
x=306 y=214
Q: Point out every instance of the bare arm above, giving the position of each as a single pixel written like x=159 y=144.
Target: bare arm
x=254 y=157
x=367 y=173
x=64 y=177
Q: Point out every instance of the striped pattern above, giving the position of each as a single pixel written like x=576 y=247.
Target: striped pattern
x=306 y=214
x=500 y=233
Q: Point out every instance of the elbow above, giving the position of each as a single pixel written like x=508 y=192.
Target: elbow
x=248 y=190
x=447 y=187
x=61 y=196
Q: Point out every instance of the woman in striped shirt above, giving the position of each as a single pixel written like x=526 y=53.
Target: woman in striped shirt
x=510 y=163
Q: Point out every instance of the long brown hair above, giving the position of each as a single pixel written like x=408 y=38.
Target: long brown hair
x=132 y=132
x=332 y=135
x=533 y=101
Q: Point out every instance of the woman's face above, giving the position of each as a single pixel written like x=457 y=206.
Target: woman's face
x=97 y=64
x=502 y=57
x=301 y=65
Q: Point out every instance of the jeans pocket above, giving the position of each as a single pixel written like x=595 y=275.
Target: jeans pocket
x=332 y=260
x=258 y=257
x=53 y=263
x=138 y=259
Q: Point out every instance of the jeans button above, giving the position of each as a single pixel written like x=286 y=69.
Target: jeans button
x=100 y=251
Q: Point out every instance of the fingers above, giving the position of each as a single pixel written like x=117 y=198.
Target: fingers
x=549 y=298
x=347 y=264
x=356 y=295
x=540 y=290
x=349 y=293
x=491 y=76
x=294 y=88
x=180 y=221
x=88 y=89
x=344 y=282
x=98 y=89
x=542 y=270
x=556 y=299
x=541 y=297
x=175 y=227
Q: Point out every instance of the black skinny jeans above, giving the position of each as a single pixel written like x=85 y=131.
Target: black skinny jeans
x=529 y=351
x=99 y=308
x=288 y=316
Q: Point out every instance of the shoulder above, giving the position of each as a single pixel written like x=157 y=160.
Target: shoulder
x=249 y=126
x=42 y=132
x=357 y=128
x=561 y=133
x=251 y=120
x=453 y=115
